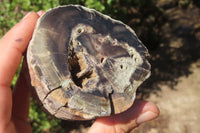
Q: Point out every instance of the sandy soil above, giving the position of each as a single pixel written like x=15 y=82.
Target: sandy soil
x=177 y=94
x=179 y=107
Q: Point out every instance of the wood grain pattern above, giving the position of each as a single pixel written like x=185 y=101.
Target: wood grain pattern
x=84 y=64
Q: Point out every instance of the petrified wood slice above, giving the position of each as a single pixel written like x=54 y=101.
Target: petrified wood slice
x=84 y=65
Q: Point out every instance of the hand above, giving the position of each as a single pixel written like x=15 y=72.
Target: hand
x=14 y=107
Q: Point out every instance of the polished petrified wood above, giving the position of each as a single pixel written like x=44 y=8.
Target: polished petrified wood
x=84 y=65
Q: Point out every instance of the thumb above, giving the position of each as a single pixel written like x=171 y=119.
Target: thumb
x=140 y=112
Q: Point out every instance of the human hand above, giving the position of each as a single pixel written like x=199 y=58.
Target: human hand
x=15 y=106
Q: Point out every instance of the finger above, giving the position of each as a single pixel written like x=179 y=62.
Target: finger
x=40 y=13
x=21 y=94
x=12 y=45
x=140 y=112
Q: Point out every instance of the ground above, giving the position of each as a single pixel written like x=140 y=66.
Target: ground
x=176 y=70
x=179 y=108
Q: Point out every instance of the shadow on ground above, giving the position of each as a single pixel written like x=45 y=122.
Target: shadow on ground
x=178 y=48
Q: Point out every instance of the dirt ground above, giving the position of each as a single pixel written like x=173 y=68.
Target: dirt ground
x=174 y=85
x=179 y=107
x=176 y=72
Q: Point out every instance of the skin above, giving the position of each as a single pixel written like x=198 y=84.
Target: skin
x=15 y=105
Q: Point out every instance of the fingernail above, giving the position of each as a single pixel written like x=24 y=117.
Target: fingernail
x=26 y=15
x=147 y=116
x=40 y=13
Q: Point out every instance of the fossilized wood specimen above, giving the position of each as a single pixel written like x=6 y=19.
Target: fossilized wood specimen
x=84 y=65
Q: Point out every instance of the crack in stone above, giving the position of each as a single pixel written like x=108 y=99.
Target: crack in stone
x=111 y=103
x=50 y=92
x=56 y=111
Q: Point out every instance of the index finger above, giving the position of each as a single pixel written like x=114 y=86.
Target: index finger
x=12 y=46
